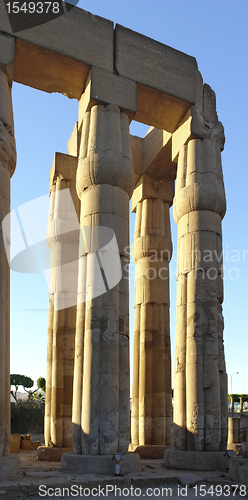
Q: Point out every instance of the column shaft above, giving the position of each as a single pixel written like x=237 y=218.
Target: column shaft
x=63 y=239
x=105 y=183
x=200 y=375
x=151 y=399
x=7 y=167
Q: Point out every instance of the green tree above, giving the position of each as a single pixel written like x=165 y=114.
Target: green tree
x=17 y=380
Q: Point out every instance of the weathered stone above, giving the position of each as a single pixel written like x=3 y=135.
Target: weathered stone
x=15 y=443
x=105 y=180
x=238 y=470
x=10 y=467
x=151 y=395
x=153 y=451
x=63 y=245
x=7 y=167
x=194 y=460
x=51 y=454
x=189 y=479
x=103 y=87
x=154 y=66
x=200 y=383
x=100 y=464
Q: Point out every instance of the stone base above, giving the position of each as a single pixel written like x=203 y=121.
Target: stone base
x=195 y=460
x=99 y=464
x=238 y=470
x=51 y=454
x=153 y=451
x=10 y=467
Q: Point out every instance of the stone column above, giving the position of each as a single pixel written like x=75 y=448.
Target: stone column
x=7 y=168
x=200 y=384
x=63 y=240
x=10 y=464
x=101 y=397
x=152 y=249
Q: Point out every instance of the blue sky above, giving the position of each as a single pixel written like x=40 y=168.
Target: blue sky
x=216 y=34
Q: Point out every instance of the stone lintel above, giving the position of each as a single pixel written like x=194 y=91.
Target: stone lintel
x=152 y=187
x=63 y=165
x=49 y=71
x=74 y=142
x=152 y=155
x=99 y=464
x=155 y=64
x=78 y=34
x=10 y=467
x=191 y=126
x=103 y=87
x=7 y=55
x=195 y=460
x=51 y=454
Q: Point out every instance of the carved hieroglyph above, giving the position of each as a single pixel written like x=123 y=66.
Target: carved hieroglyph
x=200 y=384
x=105 y=182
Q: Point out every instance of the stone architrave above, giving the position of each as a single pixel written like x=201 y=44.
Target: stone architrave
x=200 y=383
x=151 y=422
x=10 y=464
x=63 y=240
x=105 y=182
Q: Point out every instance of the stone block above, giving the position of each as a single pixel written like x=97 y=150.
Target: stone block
x=7 y=54
x=51 y=454
x=63 y=165
x=10 y=467
x=28 y=445
x=15 y=443
x=238 y=470
x=153 y=188
x=74 y=142
x=103 y=87
x=191 y=126
x=146 y=452
x=44 y=70
x=99 y=464
x=137 y=156
x=157 y=154
x=194 y=460
x=89 y=38
x=189 y=479
x=244 y=434
x=155 y=65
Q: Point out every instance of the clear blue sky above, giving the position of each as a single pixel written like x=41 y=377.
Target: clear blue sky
x=216 y=34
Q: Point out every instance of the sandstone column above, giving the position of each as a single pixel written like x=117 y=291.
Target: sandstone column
x=105 y=183
x=63 y=240
x=200 y=385
x=151 y=396
x=7 y=167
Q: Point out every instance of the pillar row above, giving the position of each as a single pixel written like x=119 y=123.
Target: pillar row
x=7 y=167
x=200 y=382
x=105 y=181
x=151 y=396
x=63 y=240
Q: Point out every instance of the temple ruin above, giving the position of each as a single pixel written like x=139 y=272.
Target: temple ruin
x=118 y=75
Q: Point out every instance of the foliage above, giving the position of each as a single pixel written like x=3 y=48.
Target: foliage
x=27 y=383
x=16 y=380
x=27 y=417
x=237 y=396
x=41 y=383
